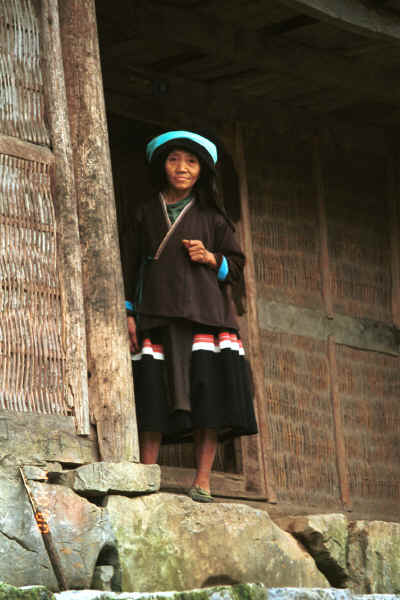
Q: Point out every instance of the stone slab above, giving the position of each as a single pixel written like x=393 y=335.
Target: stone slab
x=374 y=557
x=326 y=539
x=80 y=532
x=102 y=478
x=167 y=541
x=52 y=438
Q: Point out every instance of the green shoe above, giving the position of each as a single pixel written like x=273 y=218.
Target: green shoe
x=199 y=495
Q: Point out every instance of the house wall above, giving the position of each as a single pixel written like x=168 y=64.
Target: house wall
x=328 y=340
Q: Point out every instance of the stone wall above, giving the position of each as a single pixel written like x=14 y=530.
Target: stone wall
x=113 y=530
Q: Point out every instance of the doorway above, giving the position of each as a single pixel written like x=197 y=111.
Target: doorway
x=128 y=138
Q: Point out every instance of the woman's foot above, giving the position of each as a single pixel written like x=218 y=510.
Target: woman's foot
x=198 y=494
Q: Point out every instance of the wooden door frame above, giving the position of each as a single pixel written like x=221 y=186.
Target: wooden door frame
x=254 y=451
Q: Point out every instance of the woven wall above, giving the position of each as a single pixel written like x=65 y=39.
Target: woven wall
x=32 y=362
x=369 y=387
x=300 y=420
x=355 y=180
x=21 y=81
x=299 y=377
x=284 y=220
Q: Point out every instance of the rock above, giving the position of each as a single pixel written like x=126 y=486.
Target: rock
x=374 y=557
x=101 y=478
x=52 y=438
x=325 y=537
x=102 y=578
x=9 y=592
x=35 y=473
x=169 y=542
x=79 y=529
x=309 y=594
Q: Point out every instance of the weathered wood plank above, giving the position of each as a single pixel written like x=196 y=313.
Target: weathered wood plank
x=222 y=484
x=323 y=228
x=354 y=15
x=253 y=327
x=350 y=331
x=15 y=147
x=110 y=383
x=69 y=252
x=338 y=426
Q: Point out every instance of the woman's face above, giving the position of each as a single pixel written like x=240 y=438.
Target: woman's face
x=182 y=169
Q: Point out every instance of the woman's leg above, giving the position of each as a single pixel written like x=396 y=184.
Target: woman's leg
x=149 y=442
x=205 y=443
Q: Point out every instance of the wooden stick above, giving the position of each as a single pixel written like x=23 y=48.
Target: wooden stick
x=14 y=147
x=323 y=228
x=341 y=458
x=44 y=529
x=255 y=352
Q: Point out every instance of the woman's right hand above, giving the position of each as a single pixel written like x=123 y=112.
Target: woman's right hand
x=133 y=341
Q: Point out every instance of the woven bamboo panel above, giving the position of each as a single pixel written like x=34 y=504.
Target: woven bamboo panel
x=284 y=217
x=369 y=388
x=358 y=228
x=182 y=455
x=32 y=366
x=300 y=420
x=21 y=81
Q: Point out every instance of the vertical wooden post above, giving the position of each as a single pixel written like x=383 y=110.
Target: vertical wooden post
x=341 y=458
x=393 y=203
x=68 y=247
x=110 y=385
x=323 y=227
x=254 y=342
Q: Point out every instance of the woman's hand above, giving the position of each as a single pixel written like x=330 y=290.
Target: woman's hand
x=198 y=253
x=133 y=341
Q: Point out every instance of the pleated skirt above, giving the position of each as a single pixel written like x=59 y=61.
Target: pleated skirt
x=187 y=377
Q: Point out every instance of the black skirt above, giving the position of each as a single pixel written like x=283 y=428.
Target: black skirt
x=189 y=377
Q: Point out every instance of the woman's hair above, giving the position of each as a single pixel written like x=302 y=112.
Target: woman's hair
x=206 y=187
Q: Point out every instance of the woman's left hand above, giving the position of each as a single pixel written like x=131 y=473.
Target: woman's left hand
x=198 y=253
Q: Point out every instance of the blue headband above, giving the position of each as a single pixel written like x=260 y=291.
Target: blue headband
x=162 y=139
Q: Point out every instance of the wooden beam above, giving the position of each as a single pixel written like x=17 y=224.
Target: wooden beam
x=110 y=384
x=323 y=227
x=341 y=458
x=186 y=100
x=255 y=352
x=353 y=15
x=68 y=247
x=25 y=150
x=252 y=49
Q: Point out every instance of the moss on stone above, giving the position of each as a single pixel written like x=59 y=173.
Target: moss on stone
x=9 y=592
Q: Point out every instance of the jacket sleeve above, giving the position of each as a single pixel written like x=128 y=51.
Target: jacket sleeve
x=226 y=246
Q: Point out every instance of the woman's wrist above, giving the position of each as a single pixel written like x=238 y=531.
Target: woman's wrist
x=211 y=260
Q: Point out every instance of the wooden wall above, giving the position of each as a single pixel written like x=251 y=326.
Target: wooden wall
x=324 y=223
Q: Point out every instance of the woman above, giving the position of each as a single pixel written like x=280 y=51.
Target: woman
x=190 y=374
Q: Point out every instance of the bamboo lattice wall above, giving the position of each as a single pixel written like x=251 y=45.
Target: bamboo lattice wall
x=21 y=81
x=358 y=228
x=303 y=385
x=369 y=386
x=32 y=366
